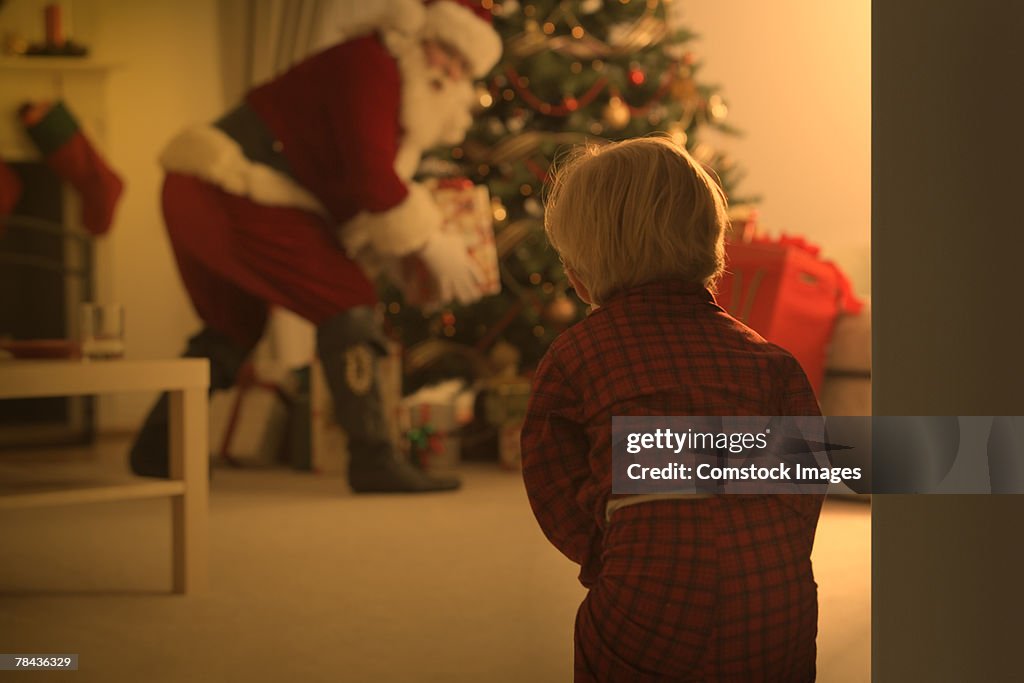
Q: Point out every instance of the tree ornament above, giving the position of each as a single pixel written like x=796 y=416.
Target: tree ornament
x=591 y=6
x=561 y=310
x=571 y=103
x=483 y=97
x=498 y=209
x=508 y=8
x=516 y=122
x=636 y=75
x=533 y=207
x=717 y=108
x=683 y=89
x=616 y=114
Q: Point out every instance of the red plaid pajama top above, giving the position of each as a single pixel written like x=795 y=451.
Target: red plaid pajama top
x=705 y=590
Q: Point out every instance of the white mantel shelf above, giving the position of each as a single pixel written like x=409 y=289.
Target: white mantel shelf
x=55 y=64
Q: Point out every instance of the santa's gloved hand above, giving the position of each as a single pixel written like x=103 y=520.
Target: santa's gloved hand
x=458 y=276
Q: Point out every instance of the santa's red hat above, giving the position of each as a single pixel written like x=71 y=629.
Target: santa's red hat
x=466 y=26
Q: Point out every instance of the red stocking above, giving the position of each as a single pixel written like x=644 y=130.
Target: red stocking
x=70 y=155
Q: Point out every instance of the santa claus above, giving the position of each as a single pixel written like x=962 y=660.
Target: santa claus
x=286 y=199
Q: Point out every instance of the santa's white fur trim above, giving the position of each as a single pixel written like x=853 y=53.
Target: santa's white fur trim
x=397 y=231
x=469 y=34
x=206 y=152
x=342 y=20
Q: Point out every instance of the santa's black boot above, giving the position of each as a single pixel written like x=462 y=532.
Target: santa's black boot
x=150 y=454
x=350 y=345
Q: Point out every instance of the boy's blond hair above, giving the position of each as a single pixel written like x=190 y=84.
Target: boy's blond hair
x=626 y=213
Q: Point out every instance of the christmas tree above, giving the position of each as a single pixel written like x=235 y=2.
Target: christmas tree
x=572 y=71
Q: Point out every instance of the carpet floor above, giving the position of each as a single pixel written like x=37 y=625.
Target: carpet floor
x=310 y=583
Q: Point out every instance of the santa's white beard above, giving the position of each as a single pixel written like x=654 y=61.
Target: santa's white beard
x=436 y=110
x=451 y=101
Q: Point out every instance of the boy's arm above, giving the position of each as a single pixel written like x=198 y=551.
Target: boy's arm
x=555 y=463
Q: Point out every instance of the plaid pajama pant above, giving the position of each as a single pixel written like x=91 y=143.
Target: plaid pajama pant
x=711 y=590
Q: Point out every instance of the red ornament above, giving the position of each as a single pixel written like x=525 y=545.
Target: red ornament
x=571 y=103
x=636 y=76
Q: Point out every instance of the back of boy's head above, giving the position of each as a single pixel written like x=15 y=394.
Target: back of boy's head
x=631 y=212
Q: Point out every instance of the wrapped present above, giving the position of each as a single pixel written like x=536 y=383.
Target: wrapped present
x=786 y=292
x=249 y=422
x=432 y=419
x=467 y=212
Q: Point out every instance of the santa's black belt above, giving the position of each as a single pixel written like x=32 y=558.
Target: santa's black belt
x=258 y=144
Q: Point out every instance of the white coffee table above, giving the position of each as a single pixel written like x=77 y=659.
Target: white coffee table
x=187 y=380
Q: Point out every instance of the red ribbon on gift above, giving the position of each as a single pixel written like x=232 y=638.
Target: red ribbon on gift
x=454 y=183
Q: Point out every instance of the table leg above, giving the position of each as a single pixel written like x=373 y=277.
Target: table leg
x=189 y=462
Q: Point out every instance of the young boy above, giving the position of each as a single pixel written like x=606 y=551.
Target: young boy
x=682 y=588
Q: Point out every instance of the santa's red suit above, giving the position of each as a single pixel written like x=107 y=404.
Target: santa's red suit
x=284 y=200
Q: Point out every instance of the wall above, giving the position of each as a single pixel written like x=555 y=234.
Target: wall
x=796 y=76
x=946 y=570
x=167 y=77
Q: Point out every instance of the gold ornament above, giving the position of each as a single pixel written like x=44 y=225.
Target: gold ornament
x=484 y=97
x=717 y=108
x=561 y=310
x=683 y=89
x=616 y=114
x=498 y=210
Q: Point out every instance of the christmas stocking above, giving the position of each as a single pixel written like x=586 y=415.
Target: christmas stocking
x=10 y=191
x=70 y=155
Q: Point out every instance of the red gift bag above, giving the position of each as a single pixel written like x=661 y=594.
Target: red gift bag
x=789 y=296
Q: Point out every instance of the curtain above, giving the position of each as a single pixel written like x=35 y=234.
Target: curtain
x=262 y=38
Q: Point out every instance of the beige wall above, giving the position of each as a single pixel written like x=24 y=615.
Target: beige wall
x=797 y=77
x=167 y=76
